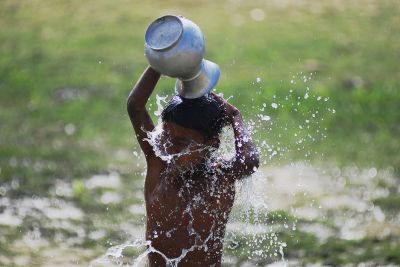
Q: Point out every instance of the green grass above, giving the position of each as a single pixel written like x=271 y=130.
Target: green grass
x=390 y=203
x=95 y=51
x=66 y=63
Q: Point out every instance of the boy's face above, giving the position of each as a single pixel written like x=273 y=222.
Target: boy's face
x=187 y=146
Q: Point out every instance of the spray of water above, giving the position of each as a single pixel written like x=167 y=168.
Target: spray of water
x=248 y=231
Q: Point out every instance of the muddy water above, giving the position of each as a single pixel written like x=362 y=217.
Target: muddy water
x=313 y=194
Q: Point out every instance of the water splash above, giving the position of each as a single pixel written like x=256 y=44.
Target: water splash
x=251 y=230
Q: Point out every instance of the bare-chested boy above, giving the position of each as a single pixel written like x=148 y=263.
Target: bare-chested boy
x=188 y=191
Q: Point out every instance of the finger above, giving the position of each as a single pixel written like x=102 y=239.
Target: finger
x=218 y=98
x=215 y=96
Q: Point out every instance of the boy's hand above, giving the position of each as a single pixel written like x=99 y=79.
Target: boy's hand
x=230 y=110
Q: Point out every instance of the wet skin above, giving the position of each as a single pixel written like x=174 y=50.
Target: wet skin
x=189 y=206
x=189 y=197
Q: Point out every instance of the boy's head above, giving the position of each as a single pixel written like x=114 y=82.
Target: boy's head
x=192 y=123
x=202 y=114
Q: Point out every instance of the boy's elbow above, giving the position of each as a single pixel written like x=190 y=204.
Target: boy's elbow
x=256 y=161
x=251 y=165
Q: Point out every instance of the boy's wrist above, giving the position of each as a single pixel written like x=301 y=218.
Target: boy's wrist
x=233 y=112
x=153 y=70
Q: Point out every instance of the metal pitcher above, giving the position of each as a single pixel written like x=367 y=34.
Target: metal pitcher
x=174 y=46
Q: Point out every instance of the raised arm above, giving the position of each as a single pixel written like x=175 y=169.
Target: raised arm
x=246 y=160
x=136 y=106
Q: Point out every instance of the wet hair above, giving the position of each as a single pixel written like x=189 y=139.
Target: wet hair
x=202 y=114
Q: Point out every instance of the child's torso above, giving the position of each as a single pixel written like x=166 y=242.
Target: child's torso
x=186 y=217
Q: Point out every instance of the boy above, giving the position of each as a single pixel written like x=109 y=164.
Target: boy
x=188 y=192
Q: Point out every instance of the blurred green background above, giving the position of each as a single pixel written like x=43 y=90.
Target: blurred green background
x=66 y=68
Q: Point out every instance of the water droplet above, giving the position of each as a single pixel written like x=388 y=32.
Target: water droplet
x=69 y=129
x=264 y=117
